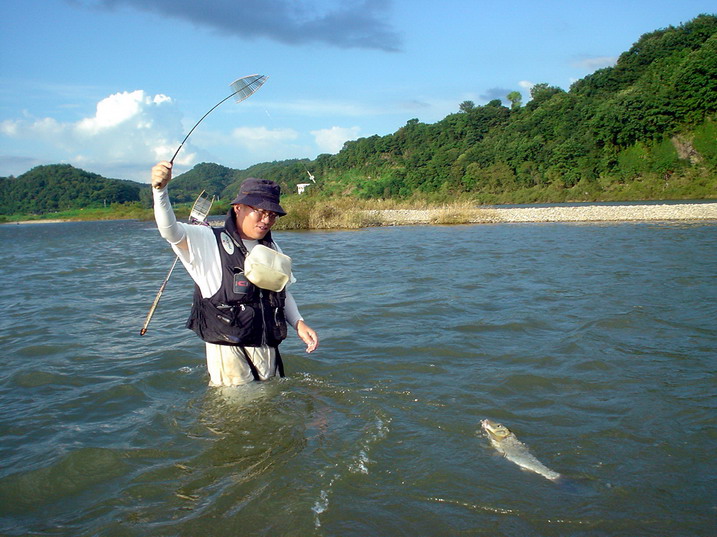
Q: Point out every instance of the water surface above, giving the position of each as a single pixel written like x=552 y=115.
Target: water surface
x=594 y=343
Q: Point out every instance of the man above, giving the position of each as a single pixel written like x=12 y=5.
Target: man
x=241 y=324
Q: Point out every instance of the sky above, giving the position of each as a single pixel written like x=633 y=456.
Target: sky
x=113 y=86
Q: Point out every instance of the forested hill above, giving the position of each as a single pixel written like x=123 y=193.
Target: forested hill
x=224 y=182
x=643 y=129
x=59 y=187
x=650 y=119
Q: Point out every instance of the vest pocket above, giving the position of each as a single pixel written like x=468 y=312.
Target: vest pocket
x=226 y=325
x=238 y=323
x=278 y=327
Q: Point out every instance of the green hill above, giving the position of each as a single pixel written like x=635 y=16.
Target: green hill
x=205 y=176
x=61 y=187
x=650 y=118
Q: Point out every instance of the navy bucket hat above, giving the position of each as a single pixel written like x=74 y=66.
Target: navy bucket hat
x=260 y=194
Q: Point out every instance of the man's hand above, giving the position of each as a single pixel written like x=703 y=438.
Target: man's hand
x=161 y=174
x=307 y=335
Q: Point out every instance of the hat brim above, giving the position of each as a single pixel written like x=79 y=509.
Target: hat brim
x=259 y=202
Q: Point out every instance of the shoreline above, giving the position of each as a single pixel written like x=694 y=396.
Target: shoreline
x=582 y=213
x=495 y=215
x=48 y=221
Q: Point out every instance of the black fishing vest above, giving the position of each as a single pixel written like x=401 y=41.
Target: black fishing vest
x=239 y=313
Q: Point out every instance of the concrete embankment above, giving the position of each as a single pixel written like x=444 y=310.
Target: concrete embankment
x=581 y=213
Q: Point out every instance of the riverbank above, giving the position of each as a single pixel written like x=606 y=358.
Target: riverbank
x=48 y=221
x=582 y=213
x=466 y=214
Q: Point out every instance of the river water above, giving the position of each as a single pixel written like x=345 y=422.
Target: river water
x=595 y=344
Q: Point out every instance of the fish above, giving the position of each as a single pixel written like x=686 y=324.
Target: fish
x=508 y=445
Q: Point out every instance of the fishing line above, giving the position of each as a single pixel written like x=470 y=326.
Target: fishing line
x=243 y=87
x=311 y=175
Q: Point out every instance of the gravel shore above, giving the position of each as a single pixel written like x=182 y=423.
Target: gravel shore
x=583 y=213
x=494 y=215
x=56 y=221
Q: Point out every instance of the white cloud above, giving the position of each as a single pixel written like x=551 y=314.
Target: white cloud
x=250 y=145
x=127 y=127
x=260 y=139
x=593 y=63
x=526 y=85
x=39 y=128
x=333 y=139
x=126 y=107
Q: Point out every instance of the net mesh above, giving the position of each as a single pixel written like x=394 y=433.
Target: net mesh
x=201 y=208
x=245 y=86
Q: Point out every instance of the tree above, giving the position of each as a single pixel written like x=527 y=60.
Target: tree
x=467 y=106
x=541 y=93
x=515 y=99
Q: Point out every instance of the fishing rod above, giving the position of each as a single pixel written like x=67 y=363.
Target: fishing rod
x=243 y=88
x=198 y=215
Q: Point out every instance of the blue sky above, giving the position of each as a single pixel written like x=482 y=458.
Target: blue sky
x=112 y=86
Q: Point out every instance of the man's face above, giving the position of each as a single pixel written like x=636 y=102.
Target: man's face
x=253 y=223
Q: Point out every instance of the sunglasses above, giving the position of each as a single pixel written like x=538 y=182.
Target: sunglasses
x=269 y=215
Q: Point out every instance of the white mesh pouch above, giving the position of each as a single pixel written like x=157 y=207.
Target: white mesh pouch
x=267 y=268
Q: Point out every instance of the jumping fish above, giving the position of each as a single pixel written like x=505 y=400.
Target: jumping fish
x=508 y=445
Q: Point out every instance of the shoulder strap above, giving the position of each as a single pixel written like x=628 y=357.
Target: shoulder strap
x=252 y=367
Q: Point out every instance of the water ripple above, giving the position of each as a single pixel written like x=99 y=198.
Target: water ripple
x=595 y=344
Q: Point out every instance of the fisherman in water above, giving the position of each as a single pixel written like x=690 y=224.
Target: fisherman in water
x=240 y=323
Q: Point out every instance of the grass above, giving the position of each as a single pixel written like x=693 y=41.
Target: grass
x=464 y=212
x=334 y=213
x=119 y=211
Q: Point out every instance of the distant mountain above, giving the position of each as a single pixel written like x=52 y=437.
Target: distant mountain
x=224 y=182
x=287 y=173
x=58 y=187
x=212 y=178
